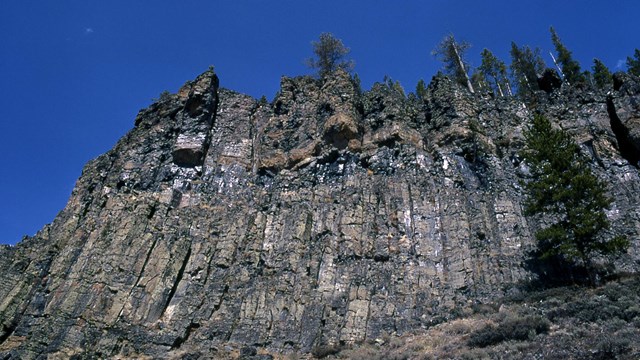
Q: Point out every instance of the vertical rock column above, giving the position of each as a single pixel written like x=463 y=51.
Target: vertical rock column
x=196 y=120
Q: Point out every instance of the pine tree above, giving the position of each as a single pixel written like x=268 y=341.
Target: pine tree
x=480 y=81
x=633 y=64
x=565 y=192
x=570 y=68
x=357 y=83
x=526 y=66
x=451 y=53
x=394 y=85
x=330 y=55
x=421 y=89
x=601 y=75
x=495 y=72
x=588 y=78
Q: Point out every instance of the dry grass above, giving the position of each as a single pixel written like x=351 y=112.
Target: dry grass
x=559 y=323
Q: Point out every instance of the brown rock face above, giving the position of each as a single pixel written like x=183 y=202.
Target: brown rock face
x=327 y=216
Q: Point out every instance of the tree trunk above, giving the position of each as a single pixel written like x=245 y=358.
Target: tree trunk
x=464 y=71
x=559 y=68
x=500 y=89
x=593 y=281
x=526 y=81
x=509 y=88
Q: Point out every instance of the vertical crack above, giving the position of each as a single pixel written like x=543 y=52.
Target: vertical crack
x=253 y=135
x=172 y=293
x=144 y=266
x=412 y=228
x=366 y=320
x=211 y=121
x=625 y=146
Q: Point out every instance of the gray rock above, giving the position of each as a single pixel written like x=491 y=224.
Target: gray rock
x=328 y=217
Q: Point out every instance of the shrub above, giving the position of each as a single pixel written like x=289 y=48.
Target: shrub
x=519 y=328
x=164 y=96
x=323 y=351
x=613 y=301
x=611 y=347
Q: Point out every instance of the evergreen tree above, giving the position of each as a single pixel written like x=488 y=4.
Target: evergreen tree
x=357 y=84
x=330 y=55
x=451 y=53
x=633 y=64
x=495 y=73
x=601 y=74
x=480 y=81
x=588 y=78
x=570 y=68
x=563 y=189
x=394 y=85
x=526 y=66
x=421 y=89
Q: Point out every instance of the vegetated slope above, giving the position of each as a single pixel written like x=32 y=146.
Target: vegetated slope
x=566 y=322
x=330 y=216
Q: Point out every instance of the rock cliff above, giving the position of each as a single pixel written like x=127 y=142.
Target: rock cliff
x=328 y=216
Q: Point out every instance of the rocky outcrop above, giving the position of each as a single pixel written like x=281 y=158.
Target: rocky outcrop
x=329 y=216
x=549 y=81
x=624 y=111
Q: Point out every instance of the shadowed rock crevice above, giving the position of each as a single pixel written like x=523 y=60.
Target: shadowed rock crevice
x=8 y=329
x=549 y=81
x=627 y=147
x=182 y=339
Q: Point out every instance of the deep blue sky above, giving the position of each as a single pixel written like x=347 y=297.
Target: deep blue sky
x=73 y=74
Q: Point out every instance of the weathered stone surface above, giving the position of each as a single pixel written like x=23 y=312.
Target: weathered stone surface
x=327 y=216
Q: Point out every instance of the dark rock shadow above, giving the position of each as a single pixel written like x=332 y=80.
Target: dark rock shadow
x=555 y=271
